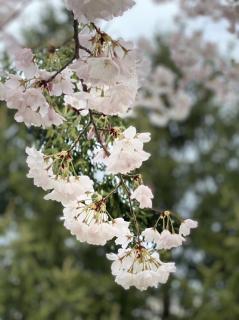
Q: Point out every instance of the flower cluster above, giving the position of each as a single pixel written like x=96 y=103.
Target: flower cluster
x=30 y=103
x=82 y=103
x=126 y=153
x=139 y=267
x=164 y=100
x=216 y=9
x=91 y=223
x=169 y=95
x=63 y=189
x=138 y=262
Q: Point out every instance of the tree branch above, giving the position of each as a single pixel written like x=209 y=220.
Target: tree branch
x=76 y=55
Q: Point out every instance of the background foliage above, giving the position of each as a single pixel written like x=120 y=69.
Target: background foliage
x=46 y=274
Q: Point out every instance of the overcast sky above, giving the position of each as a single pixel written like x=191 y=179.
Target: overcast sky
x=145 y=19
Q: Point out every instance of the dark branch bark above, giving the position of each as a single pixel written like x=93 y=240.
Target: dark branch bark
x=76 y=55
x=166 y=303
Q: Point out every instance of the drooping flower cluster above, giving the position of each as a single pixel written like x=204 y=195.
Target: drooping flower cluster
x=82 y=102
x=109 y=71
x=63 y=189
x=144 y=196
x=127 y=152
x=30 y=103
x=91 y=223
x=139 y=267
x=138 y=263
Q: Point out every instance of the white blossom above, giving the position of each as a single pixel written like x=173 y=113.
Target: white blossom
x=169 y=240
x=127 y=152
x=90 y=223
x=144 y=196
x=186 y=227
x=151 y=235
x=24 y=62
x=98 y=70
x=90 y=10
x=70 y=189
x=139 y=267
x=30 y=103
x=38 y=169
x=123 y=239
x=64 y=190
x=113 y=82
x=62 y=83
x=163 y=241
x=77 y=101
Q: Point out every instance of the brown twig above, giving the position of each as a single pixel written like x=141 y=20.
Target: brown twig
x=76 y=55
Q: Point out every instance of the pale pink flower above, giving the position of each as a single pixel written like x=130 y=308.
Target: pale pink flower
x=30 y=103
x=92 y=225
x=62 y=84
x=127 y=153
x=91 y=10
x=144 y=196
x=24 y=62
x=38 y=169
x=151 y=235
x=169 y=240
x=186 y=227
x=139 y=267
x=63 y=190
x=70 y=189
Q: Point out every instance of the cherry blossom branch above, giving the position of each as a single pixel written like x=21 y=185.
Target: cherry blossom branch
x=103 y=83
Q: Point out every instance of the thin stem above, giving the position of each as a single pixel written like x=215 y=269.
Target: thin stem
x=169 y=212
x=156 y=224
x=113 y=191
x=80 y=135
x=130 y=204
x=97 y=134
